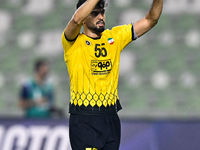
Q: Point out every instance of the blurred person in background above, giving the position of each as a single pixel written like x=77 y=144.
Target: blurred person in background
x=92 y=58
x=37 y=94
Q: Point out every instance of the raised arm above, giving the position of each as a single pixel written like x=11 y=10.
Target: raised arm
x=150 y=20
x=74 y=26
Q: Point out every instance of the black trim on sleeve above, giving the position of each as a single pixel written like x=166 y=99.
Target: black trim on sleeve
x=134 y=36
x=132 y=33
x=70 y=40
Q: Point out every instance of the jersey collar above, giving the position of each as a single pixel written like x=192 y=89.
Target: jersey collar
x=92 y=37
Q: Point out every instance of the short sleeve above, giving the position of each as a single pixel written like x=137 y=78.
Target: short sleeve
x=125 y=34
x=67 y=44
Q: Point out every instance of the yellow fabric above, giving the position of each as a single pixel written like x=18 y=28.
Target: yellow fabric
x=93 y=66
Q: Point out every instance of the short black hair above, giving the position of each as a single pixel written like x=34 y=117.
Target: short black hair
x=38 y=63
x=101 y=4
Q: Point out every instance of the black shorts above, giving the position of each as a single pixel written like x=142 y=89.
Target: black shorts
x=94 y=132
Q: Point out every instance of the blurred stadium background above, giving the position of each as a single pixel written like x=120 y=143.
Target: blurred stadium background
x=159 y=73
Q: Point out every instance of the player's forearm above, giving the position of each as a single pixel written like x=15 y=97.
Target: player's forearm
x=84 y=10
x=154 y=13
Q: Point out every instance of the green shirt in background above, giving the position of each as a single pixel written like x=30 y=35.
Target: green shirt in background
x=31 y=91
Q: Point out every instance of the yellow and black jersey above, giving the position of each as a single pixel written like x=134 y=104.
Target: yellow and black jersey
x=93 y=66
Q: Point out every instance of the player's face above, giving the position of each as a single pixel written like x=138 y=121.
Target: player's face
x=96 y=21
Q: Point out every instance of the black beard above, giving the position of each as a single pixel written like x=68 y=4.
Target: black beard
x=98 y=30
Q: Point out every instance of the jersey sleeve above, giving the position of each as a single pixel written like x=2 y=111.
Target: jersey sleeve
x=67 y=44
x=125 y=34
